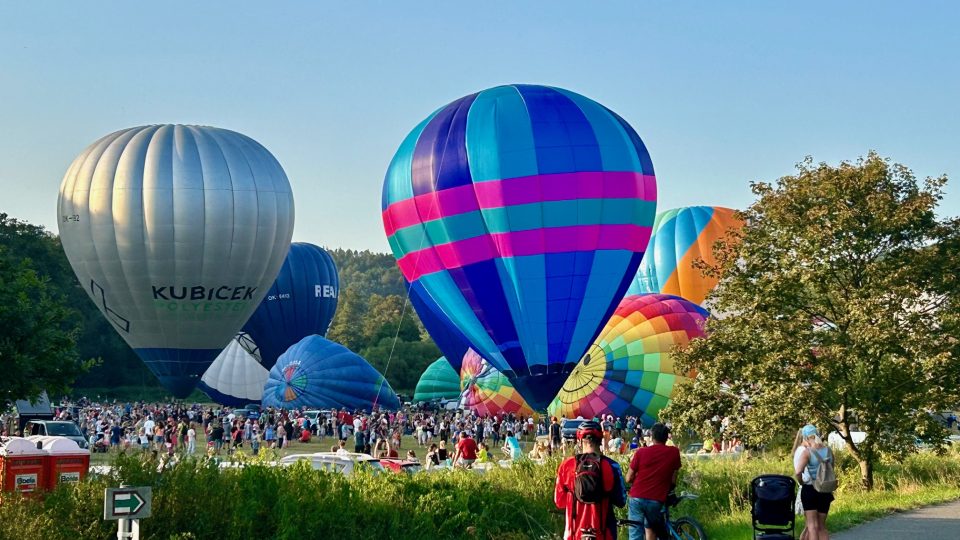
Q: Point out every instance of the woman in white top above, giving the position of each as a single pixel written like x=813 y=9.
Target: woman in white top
x=816 y=505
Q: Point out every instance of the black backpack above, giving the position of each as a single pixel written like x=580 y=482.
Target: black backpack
x=588 y=482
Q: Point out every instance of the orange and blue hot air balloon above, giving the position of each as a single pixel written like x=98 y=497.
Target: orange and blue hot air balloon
x=680 y=237
x=523 y=212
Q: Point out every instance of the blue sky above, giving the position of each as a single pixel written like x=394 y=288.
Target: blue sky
x=722 y=93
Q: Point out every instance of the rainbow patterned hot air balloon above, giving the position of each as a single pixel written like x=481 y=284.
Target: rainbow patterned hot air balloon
x=629 y=369
x=486 y=391
x=522 y=212
x=680 y=237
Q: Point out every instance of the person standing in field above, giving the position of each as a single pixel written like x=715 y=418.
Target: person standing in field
x=587 y=488
x=816 y=505
x=653 y=474
x=191 y=440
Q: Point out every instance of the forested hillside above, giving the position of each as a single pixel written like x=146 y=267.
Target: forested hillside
x=368 y=320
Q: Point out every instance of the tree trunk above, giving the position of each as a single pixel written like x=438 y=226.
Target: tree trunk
x=864 y=458
x=866 y=474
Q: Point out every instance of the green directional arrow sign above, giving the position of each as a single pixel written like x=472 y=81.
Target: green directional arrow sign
x=126 y=503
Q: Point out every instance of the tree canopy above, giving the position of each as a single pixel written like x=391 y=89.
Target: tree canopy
x=840 y=302
x=38 y=342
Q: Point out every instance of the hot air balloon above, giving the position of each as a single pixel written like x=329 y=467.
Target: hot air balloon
x=486 y=391
x=301 y=302
x=451 y=342
x=439 y=381
x=319 y=373
x=176 y=233
x=523 y=211
x=629 y=369
x=235 y=378
x=680 y=237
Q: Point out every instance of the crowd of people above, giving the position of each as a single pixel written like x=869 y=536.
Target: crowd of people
x=180 y=428
x=454 y=439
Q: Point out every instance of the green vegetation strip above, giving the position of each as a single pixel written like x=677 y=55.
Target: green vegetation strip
x=199 y=500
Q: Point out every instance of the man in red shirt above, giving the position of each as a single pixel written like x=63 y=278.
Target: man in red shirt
x=595 y=517
x=466 y=451
x=653 y=472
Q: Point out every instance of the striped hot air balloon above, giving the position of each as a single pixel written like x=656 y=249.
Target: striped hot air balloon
x=523 y=212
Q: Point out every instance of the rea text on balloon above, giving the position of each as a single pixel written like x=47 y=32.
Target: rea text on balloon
x=324 y=291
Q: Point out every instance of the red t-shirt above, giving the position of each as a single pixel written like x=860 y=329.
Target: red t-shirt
x=582 y=516
x=653 y=468
x=467 y=447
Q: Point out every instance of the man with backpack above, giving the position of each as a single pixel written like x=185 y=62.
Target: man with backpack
x=653 y=474
x=588 y=486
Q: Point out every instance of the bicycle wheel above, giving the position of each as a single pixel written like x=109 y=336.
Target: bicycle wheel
x=688 y=529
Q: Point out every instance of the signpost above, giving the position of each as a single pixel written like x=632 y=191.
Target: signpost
x=128 y=505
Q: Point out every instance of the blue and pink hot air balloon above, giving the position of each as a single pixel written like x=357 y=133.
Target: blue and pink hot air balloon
x=523 y=212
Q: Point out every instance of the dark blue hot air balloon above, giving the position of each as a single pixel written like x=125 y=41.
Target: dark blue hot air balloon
x=301 y=302
x=320 y=373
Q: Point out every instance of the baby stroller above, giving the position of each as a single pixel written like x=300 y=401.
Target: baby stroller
x=772 y=497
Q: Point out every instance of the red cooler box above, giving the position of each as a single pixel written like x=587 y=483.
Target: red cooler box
x=22 y=466
x=66 y=462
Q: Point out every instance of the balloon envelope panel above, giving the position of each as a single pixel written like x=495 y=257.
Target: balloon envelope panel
x=486 y=391
x=439 y=381
x=319 y=373
x=176 y=232
x=451 y=341
x=680 y=237
x=300 y=303
x=524 y=212
x=629 y=370
x=235 y=378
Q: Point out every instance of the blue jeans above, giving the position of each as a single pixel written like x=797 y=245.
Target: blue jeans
x=650 y=513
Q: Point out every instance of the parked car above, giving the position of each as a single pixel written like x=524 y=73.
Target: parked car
x=333 y=462
x=57 y=428
x=693 y=448
x=401 y=465
x=568 y=428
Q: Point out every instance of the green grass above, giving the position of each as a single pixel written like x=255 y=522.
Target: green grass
x=724 y=510
x=197 y=500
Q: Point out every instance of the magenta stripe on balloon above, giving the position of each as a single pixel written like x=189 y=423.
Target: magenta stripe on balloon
x=458 y=254
x=516 y=191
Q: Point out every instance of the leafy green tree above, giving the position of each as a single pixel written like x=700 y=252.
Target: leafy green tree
x=388 y=317
x=401 y=362
x=347 y=325
x=38 y=337
x=841 y=308
x=96 y=338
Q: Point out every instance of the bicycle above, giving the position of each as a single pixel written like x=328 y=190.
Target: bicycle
x=684 y=528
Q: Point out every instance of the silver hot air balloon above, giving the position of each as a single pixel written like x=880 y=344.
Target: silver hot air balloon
x=176 y=233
